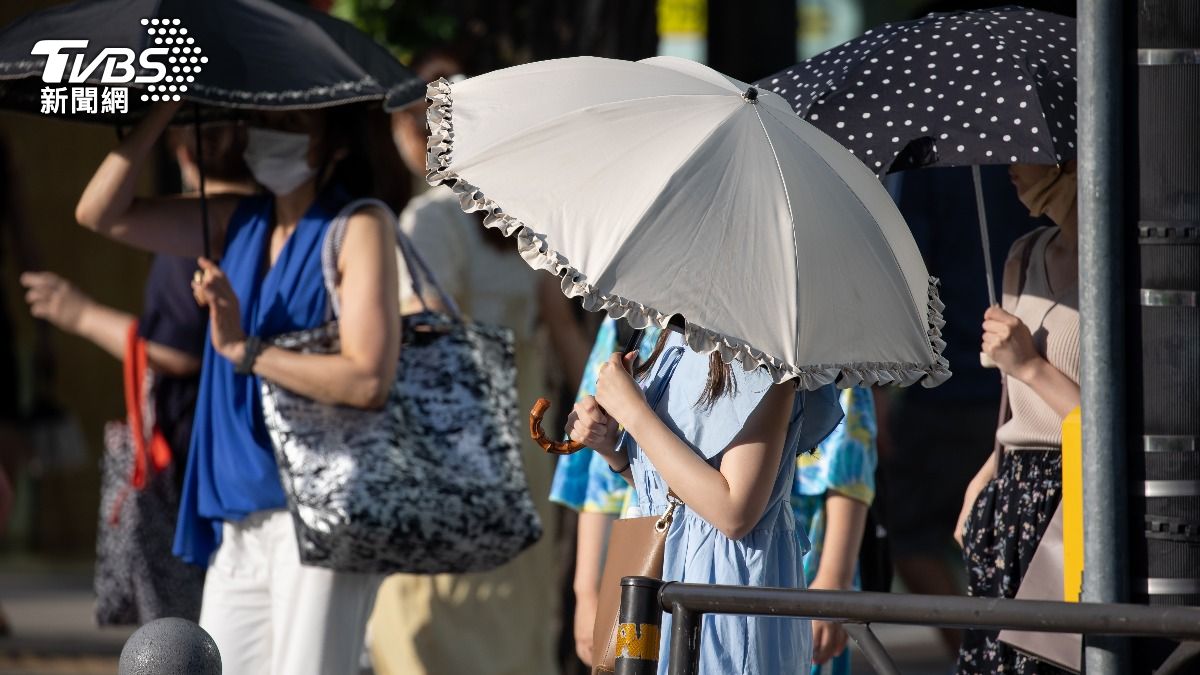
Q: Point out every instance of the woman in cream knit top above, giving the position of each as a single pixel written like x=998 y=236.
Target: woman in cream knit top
x=1052 y=317
x=1034 y=340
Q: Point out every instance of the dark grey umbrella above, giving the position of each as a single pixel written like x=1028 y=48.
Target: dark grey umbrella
x=243 y=54
x=255 y=54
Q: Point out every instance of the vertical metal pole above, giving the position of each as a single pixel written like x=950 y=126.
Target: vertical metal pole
x=639 y=626
x=685 y=642
x=1101 y=313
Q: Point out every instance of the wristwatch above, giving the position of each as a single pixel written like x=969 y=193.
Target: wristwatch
x=254 y=347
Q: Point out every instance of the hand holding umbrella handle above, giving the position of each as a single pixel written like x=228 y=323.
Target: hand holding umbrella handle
x=539 y=436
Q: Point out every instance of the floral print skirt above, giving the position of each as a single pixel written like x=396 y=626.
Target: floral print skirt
x=1002 y=533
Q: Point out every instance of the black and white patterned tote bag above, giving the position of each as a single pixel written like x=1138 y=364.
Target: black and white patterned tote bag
x=431 y=483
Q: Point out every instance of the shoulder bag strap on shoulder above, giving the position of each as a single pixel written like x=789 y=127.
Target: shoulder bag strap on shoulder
x=331 y=247
x=1022 y=273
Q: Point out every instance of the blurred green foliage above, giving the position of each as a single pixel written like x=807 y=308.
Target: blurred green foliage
x=406 y=27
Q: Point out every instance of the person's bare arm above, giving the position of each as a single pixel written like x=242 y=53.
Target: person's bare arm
x=731 y=498
x=590 y=544
x=566 y=336
x=1007 y=340
x=56 y=300
x=362 y=374
x=845 y=519
x=171 y=225
x=59 y=302
x=977 y=484
x=171 y=362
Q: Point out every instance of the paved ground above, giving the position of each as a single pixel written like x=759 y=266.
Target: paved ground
x=52 y=630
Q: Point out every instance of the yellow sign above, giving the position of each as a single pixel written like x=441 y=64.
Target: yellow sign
x=637 y=641
x=1072 y=505
x=688 y=17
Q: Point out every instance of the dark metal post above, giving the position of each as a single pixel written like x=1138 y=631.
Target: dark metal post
x=685 y=641
x=877 y=655
x=1185 y=659
x=1101 y=313
x=639 y=626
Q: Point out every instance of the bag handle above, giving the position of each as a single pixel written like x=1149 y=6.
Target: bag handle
x=331 y=250
x=417 y=267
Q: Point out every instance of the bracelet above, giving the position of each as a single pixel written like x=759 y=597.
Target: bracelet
x=622 y=469
x=254 y=347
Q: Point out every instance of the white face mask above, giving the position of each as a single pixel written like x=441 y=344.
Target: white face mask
x=278 y=159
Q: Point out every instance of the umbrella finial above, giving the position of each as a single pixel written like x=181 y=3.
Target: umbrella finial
x=751 y=95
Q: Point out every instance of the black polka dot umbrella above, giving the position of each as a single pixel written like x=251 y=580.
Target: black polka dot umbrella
x=994 y=86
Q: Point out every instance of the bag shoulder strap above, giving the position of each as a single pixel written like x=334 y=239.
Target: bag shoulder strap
x=1014 y=285
x=335 y=238
x=417 y=268
x=1016 y=268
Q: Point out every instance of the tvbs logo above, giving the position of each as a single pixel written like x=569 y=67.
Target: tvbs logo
x=165 y=70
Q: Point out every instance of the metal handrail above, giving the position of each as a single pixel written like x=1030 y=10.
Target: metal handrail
x=643 y=600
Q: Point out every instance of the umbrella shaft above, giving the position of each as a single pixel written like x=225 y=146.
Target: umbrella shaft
x=635 y=341
x=983 y=236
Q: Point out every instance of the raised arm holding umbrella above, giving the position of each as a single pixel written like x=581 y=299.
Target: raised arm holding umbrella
x=221 y=57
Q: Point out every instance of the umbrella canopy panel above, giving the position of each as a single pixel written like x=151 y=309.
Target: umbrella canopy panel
x=258 y=54
x=994 y=86
x=662 y=188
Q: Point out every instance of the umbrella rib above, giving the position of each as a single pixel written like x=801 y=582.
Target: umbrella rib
x=916 y=304
x=539 y=125
x=787 y=197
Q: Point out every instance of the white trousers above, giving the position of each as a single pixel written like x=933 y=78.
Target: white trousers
x=270 y=615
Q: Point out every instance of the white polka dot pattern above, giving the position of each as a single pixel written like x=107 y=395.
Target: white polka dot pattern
x=949 y=89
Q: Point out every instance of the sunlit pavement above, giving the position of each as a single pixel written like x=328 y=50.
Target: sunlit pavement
x=53 y=632
x=50 y=615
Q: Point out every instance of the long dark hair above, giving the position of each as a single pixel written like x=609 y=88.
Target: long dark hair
x=371 y=166
x=720 y=374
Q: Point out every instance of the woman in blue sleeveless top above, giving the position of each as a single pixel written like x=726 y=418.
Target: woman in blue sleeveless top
x=725 y=441
x=267 y=612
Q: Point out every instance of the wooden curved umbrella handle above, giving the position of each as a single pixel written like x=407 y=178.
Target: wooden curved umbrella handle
x=540 y=437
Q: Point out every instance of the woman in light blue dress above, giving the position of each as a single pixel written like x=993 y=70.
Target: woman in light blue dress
x=583 y=483
x=726 y=441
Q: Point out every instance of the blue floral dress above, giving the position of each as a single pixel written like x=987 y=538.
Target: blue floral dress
x=844 y=463
x=770 y=555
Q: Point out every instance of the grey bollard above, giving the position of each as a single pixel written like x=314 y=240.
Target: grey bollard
x=170 y=646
